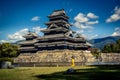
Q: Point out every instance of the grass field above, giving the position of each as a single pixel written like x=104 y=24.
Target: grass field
x=58 y=73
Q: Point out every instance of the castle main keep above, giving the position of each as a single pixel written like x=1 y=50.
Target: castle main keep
x=56 y=46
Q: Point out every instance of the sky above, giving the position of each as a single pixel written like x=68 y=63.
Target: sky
x=90 y=18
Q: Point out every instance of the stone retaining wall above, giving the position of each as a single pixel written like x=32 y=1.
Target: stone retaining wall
x=56 y=57
x=110 y=57
x=63 y=58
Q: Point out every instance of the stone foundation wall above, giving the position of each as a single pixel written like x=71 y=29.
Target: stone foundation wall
x=110 y=57
x=56 y=56
x=63 y=58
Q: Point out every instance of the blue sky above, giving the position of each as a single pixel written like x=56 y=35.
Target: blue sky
x=91 y=18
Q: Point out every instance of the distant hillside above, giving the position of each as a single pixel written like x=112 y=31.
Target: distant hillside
x=101 y=42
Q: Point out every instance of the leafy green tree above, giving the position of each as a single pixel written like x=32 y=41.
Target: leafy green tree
x=118 y=42
x=112 y=48
x=8 y=50
x=95 y=52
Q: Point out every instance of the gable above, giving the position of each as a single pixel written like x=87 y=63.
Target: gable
x=52 y=26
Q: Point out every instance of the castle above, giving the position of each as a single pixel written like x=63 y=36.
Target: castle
x=57 y=46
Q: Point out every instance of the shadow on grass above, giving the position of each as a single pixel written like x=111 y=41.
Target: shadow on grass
x=98 y=73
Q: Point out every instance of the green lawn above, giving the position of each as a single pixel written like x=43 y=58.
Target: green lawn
x=58 y=73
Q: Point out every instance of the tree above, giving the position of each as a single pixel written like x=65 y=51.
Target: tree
x=8 y=50
x=95 y=52
x=112 y=48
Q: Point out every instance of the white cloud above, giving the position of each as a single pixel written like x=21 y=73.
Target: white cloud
x=81 y=18
x=8 y=41
x=90 y=36
x=92 y=15
x=114 y=17
x=18 y=35
x=3 y=41
x=93 y=22
x=37 y=29
x=83 y=21
x=94 y=36
x=36 y=18
x=117 y=32
x=79 y=31
x=82 y=26
x=117 y=28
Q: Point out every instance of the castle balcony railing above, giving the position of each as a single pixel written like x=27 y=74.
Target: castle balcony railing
x=60 y=36
x=61 y=43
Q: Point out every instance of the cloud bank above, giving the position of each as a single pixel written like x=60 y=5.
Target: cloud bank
x=85 y=21
x=117 y=32
x=36 y=18
x=115 y=16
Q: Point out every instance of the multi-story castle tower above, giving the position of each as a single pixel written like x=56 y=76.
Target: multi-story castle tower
x=58 y=34
x=58 y=44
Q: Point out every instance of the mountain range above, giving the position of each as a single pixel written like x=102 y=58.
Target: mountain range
x=101 y=42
